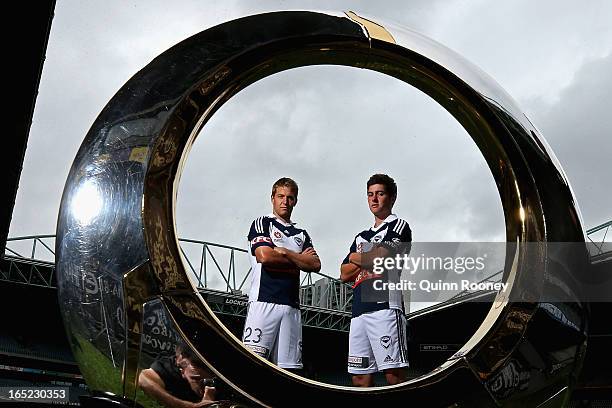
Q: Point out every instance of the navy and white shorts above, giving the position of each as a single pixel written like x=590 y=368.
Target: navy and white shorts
x=274 y=332
x=377 y=341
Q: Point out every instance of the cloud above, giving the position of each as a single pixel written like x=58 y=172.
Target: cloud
x=533 y=49
x=331 y=127
x=579 y=129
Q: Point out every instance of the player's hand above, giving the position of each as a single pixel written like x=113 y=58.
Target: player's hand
x=281 y=250
x=310 y=251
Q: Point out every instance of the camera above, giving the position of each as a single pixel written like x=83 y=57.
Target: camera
x=208 y=382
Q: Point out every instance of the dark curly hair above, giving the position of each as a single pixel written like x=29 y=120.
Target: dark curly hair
x=388 y=182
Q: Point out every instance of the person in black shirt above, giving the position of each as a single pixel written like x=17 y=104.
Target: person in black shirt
x=180 y=381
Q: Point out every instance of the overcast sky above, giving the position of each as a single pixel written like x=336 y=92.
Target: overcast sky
x=323 y=125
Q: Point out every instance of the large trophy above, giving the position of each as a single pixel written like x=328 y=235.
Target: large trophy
x=122 y=281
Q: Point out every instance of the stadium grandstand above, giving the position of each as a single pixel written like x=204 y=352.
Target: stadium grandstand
x=34 y=350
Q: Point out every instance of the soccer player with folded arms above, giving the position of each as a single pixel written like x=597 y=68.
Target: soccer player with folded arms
x=377 y=337
x=278 y=250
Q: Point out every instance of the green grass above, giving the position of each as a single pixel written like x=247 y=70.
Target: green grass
x=100 y=374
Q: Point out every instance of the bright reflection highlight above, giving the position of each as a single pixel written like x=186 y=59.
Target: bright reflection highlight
x=87 y=202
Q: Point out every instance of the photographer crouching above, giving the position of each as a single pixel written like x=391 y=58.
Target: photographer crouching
x=181 y=381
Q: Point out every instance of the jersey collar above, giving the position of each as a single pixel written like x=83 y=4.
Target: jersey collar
x=271 y=215
x=390 y=218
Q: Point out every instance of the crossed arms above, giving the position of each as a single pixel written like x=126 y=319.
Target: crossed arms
x=361 y=261
x=283 y=259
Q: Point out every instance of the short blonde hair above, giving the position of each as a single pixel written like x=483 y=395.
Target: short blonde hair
x=285 y=182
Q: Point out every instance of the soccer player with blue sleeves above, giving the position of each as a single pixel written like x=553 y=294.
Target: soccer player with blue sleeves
x=377 y=337
x=278 y=251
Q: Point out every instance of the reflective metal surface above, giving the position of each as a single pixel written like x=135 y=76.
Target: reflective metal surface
x=117 y=248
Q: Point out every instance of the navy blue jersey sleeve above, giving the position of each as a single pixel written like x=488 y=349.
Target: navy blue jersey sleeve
x=259 y=234
x=352 y=249
x=399 y=237
x=307 y=241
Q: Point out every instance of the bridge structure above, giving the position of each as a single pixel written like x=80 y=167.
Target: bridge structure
x=221 y=273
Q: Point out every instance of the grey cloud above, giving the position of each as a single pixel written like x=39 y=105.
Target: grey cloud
x=579 y=129
x=324 y=125
x=358 y=123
